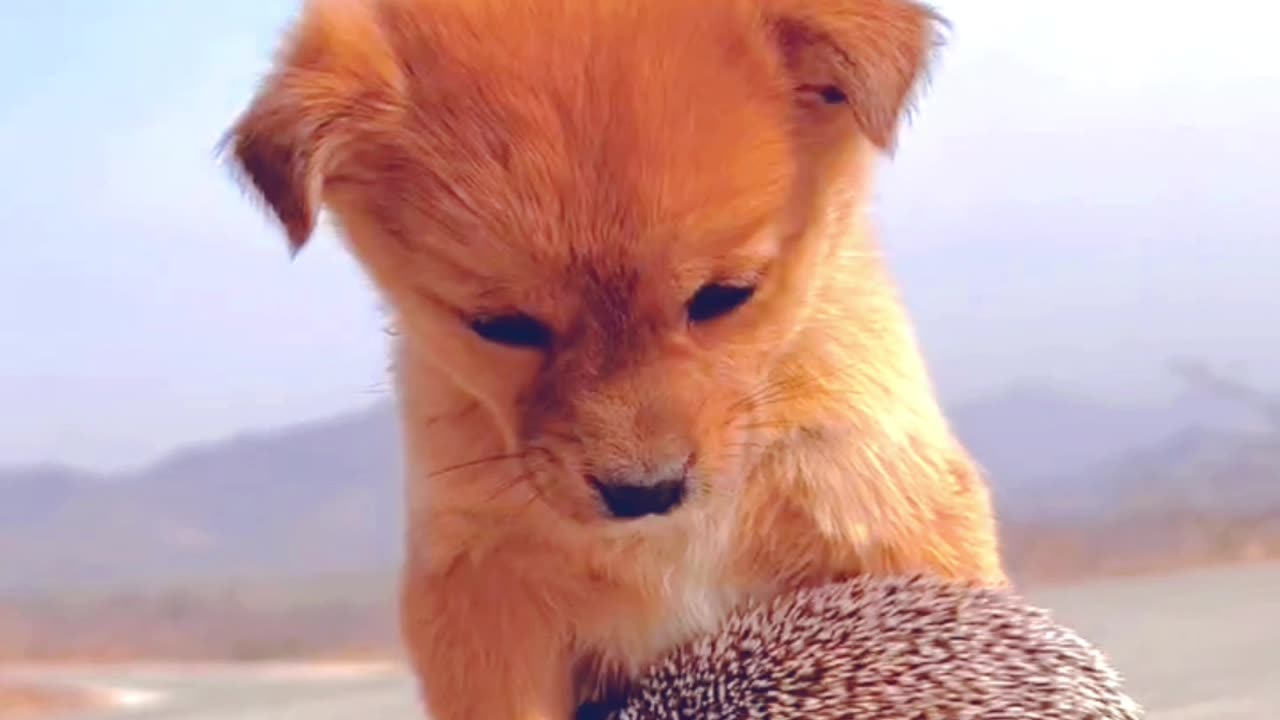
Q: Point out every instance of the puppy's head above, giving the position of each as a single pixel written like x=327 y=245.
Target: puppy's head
x=600 y=220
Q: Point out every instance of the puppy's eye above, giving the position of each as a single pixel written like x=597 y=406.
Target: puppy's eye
x=517 y=331
x=832 y=95
x=716 y=300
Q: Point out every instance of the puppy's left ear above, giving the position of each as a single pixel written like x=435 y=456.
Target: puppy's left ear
x=334 y=79
x=868 y=55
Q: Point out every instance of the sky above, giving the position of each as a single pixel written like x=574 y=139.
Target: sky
x=1086 y=190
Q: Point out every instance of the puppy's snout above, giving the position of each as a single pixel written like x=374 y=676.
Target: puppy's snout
x=630 y=498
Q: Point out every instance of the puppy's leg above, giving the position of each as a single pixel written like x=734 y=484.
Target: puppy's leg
x=483 y=649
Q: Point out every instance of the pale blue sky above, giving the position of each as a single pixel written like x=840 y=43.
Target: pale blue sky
x=1089 y=187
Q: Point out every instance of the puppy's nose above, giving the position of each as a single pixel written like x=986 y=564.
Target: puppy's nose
x=628 y=500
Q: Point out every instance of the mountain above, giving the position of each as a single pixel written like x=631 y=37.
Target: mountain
x=1049 y=451
x=1197 y=472
x=34 y=495
x=316 y=498
x=324 y=497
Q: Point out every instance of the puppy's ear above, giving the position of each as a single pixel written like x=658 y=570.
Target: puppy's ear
x=334 y=77
x=865 y=54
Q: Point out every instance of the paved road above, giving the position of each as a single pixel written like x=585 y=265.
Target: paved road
x=1196 y=646
x=220 y=692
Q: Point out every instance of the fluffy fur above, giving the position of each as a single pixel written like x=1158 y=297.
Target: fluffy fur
x=589 y=165
x=882 y=649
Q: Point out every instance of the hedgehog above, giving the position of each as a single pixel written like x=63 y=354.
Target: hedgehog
x=904 y=648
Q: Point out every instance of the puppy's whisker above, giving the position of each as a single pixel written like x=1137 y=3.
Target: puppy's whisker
x=510 y=484
x=783 y=391
x=529 y=456
x=769 y=390
x=561 y=435
x=450 y=417
x=776 y=426
x=475 y=463
x=538 y=494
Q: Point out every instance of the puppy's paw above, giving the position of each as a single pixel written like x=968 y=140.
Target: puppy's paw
x=601 y=710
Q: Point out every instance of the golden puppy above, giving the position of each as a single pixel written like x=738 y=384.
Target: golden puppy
x=649 y=360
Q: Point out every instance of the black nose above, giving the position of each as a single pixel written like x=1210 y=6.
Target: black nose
x=630 y=500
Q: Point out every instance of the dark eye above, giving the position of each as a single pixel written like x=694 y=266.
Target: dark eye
x=832 y=95
x=716 y=300
x=517 y=331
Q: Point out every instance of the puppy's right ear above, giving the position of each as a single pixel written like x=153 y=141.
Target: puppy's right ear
x=334 y=77
x=866 y=55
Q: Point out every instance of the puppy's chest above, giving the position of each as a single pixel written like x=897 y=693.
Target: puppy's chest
x=693 y=608
x=684 y=606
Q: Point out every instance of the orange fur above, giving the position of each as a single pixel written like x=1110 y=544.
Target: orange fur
x=593 y=163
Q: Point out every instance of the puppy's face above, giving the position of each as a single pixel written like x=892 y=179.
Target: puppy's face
x=600 y=219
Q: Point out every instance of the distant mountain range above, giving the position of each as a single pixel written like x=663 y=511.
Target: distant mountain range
x=321 y=497
x=325 y=497
x=1050 y=452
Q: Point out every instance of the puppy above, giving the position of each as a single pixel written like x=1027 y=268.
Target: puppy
x=650 y=364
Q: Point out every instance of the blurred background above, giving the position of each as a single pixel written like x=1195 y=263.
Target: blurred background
x=198 y=459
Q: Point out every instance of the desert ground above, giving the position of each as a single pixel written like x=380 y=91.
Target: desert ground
x=1202 y=644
